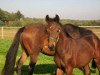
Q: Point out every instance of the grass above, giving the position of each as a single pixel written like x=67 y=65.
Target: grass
x=44 y=66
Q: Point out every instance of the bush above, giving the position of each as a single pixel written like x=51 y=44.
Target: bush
x=17 y=23
x=1 y=23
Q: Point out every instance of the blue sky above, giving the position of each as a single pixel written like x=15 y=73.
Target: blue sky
x=67 y=9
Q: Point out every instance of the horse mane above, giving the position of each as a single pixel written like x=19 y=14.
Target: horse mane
x=76 y=32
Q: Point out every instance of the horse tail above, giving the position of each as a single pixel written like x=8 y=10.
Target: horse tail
x=94 y=64
x=11 y=54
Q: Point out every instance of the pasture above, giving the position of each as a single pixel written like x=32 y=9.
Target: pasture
x=45 y=64
x=9 y=32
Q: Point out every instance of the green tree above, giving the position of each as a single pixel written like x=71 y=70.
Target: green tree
x=4 y=16
x=19 y=15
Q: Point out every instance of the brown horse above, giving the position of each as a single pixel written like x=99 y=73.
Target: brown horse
x=33 y=39
x=72 y=52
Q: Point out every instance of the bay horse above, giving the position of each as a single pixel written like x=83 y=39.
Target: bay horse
x=33 y=39
x=72 y=52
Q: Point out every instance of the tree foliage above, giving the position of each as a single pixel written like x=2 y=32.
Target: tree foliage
x=18 y=15
x=18 y=19
x=4 y=16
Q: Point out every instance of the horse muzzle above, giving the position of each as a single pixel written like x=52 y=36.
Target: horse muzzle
x=52 y=43
x=51 y=47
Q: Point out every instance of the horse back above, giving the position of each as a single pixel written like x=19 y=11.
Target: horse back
x=76 y=32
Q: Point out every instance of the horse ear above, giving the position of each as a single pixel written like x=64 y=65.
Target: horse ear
x=47 y=18
x=57 y=19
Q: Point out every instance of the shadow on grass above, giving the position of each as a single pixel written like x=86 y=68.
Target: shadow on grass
x=41 y=69
x=45 y=69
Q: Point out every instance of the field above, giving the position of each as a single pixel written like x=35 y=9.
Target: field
x=9 y=32
x=44 y=66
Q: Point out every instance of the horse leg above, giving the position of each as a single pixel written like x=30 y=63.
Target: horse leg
x=20 y=62
x=59 y=71
x=86 y=70
x=31 y=68
x=69 y=70
x=33 y=59
x=98 y=64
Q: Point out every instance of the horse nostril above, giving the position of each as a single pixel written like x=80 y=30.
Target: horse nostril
x=51 y=47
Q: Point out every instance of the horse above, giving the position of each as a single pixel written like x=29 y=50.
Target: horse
x=72 y=52
x=33 y=39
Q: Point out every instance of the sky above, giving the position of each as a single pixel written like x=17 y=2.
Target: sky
x=66 y=9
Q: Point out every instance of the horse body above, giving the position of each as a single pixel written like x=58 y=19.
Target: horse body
x=34 y=36
x=33 y=40
x=71 y=50
x=76 y=53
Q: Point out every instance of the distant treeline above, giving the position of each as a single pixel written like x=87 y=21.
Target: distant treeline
x=18 y=19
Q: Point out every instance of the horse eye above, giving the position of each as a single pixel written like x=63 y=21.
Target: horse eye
x=50 y=27
x=58 y=31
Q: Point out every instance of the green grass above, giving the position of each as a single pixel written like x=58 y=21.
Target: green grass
x=44 y=66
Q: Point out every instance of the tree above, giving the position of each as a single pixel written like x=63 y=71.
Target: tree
x=19 y=15
x=4 y=16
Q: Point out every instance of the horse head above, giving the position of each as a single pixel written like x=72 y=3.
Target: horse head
x=53 y=29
